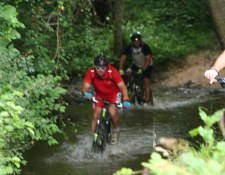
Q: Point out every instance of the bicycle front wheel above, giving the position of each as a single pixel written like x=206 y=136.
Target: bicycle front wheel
x=139 y=94
x=131 y=92
x=104 y=135
x=100 y=143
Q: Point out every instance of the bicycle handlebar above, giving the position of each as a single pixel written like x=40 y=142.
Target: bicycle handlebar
x=221 y=80
x=132 y=72
x=95 y=100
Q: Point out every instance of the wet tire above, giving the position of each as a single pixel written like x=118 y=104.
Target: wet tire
x=132 y=98
x=131 y=93
x=103 y=136
x=103 y=139
x=139 y=97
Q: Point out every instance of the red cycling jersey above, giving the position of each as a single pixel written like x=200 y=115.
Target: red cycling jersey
x=106 y=85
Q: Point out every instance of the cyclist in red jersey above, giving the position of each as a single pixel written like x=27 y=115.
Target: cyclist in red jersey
x=108 y=85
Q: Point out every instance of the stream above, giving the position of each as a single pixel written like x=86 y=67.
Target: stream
x=174 y=114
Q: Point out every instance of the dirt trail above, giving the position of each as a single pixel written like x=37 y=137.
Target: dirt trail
x=191 y=72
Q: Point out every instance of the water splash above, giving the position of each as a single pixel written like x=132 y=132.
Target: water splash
x=128 y=146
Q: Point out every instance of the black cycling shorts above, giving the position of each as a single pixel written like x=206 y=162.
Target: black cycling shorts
x=146 y=74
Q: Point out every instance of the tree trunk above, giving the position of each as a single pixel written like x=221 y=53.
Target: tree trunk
x=217 y=10
x=118 y=37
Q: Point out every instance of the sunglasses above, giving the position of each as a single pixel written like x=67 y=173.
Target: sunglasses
x=100 y=68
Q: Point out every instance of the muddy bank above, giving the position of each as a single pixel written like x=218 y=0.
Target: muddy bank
x=74 y=94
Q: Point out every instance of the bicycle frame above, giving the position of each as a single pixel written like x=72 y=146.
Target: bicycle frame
x=136 y=87
x=102 y=134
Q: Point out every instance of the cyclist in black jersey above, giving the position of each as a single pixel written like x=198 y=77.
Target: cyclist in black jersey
x=142 y=61
x=216 y=68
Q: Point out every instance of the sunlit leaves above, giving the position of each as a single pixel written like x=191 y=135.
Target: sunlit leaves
x=52 y=142
x=126 y=171
x=9 y=22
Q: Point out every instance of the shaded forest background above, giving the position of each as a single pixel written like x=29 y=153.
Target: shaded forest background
x=65 y=36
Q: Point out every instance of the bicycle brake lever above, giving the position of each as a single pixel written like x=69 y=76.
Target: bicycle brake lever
x=120 y=105
x=94 y=100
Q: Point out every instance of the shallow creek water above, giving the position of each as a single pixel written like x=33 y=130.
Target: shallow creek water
x=174 y=114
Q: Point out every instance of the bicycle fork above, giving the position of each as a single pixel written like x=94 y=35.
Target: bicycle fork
x=98 y=124
x=96 y=130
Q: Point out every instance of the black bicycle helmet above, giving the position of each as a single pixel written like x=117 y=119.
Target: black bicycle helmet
x=101 y=60
x=135 y=36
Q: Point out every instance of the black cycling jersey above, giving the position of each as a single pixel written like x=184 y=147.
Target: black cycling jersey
x=145 y=49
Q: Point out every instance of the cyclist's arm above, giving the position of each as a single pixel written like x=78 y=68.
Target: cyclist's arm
x=148 y=61
x=220 y=62
x=122 y=60
x=85 y=89
x=218 y=66
x=123 y=88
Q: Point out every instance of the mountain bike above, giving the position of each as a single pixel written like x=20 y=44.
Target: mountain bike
x=103 y=131
x=220 y=80
x=136 y=89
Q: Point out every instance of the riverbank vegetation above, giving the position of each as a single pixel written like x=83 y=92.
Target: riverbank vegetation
x=43 y=42
x=207 y=159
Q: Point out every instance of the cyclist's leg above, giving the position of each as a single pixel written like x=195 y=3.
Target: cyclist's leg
x=113 y=112
x=147 y=76
x=97 y=111
x=147 y=88
x=129 y=73
x=133 y=67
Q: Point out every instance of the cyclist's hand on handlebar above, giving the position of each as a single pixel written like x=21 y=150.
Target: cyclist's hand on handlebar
x=88 y=95
x=210 y=75
x=140 y=71
x=121 y=72
x=126 y=104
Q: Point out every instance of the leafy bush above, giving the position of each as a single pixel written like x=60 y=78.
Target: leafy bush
x=27 y=100
x=209 y=159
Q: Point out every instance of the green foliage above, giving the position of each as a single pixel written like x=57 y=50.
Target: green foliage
x=61 y=37
x=9 y=22
x=28 y=100
x=171 y=28
x=209 y=159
